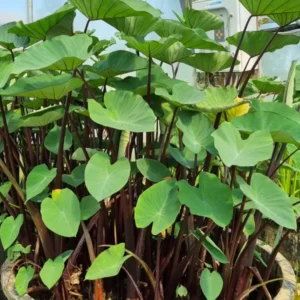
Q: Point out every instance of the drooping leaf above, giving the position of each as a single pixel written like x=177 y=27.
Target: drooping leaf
x=211 y=247
x=79 y=155
x=44 y=86
x=61 y=53
x=38 y=30
x=290 y=86
x=196 y=129
x=181 y=291
x=61 y=214
x=76 y=178
x=134 y=26
x=44 y=116
x=211 y=284
x=118 y=63
x=254 y=42
x=152 y=47
x=153 y=169
x=103 y=45
x=270 y=200
x=53 y=137
x=9 y=230
x=234 y=151
x=103 y=179
x=5 y=188
x=23 y=278
x=108 y=263
x=38 y=179
x=158 y=205
x=124 y=111
x=52 y=271
x=212 y=199
x=266 y=86
x=285 y=18
x=107 y=9
x=190 y=38
x=11 y=41
x=202 y=19
x=88 y=207
x=186 y=157
x=182 y=94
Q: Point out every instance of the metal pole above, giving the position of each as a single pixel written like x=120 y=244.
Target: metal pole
x=29 y=11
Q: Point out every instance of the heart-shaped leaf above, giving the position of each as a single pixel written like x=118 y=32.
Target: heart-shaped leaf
x=182 y=94
x=254 y=42
x=76 y=178
x=118 y=63
x=88 y=207
x=23 y=278
x=270 y=200
x=9 y=40
x=53 y=137
x=52 y=271
x=212 y=199
x=197 y=130
x=108 y=263
x=38 y=179
x=103 y=179
x=44 y=86
x=62 y=213
x=234 y=151
x=158 y=205
x=38 y=30
x=153 y=169
x=124 y=111
x=107 y=9
x=9 y=230
x=211 y=284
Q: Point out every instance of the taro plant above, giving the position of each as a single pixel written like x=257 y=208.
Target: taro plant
x=120 y=181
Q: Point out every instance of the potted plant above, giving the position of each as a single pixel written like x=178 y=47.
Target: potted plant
x=140 y=186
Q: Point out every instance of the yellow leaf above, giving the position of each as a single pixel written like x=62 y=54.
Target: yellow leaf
x=55 y=194
x=236 y=111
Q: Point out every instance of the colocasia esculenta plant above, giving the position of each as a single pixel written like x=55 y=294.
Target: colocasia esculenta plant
x=120 y=182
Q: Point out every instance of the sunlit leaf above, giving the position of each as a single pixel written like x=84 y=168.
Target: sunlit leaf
x=52 y=271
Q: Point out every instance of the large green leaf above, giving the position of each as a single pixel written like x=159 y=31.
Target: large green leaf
x=88 y=207
x=254 y=42
x=210 y=62
x=202 y=19
x=285 y=18
x=196 y=129
x=13 y=120
x=267 y=85
x=11 y=41
x=158 y=205
x=44 y=116
x=10 y=230
x=149 y=47
x=38 y=179
x=277 y=118
x=211 y=247
x=118 y=63
x=103 y=179
x=134 y=26
x=211 y=284
x=270 y=200
x=234 y=151
x=153 y=169
x=212 y=199
x=108 y=263
x=53 y=137
x=52 y=271
x=60 y=53
x=182 y=94
x=107 y=9
x=38 y=30
x=190 y=38
x=218 y=100
x=270 y=7
x=61 y=214
x=124 y=111
x=23 y=278
x=76 y=178
x=44 y=86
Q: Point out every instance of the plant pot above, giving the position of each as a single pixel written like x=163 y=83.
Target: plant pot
x=8 y=283
x=282 y=269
